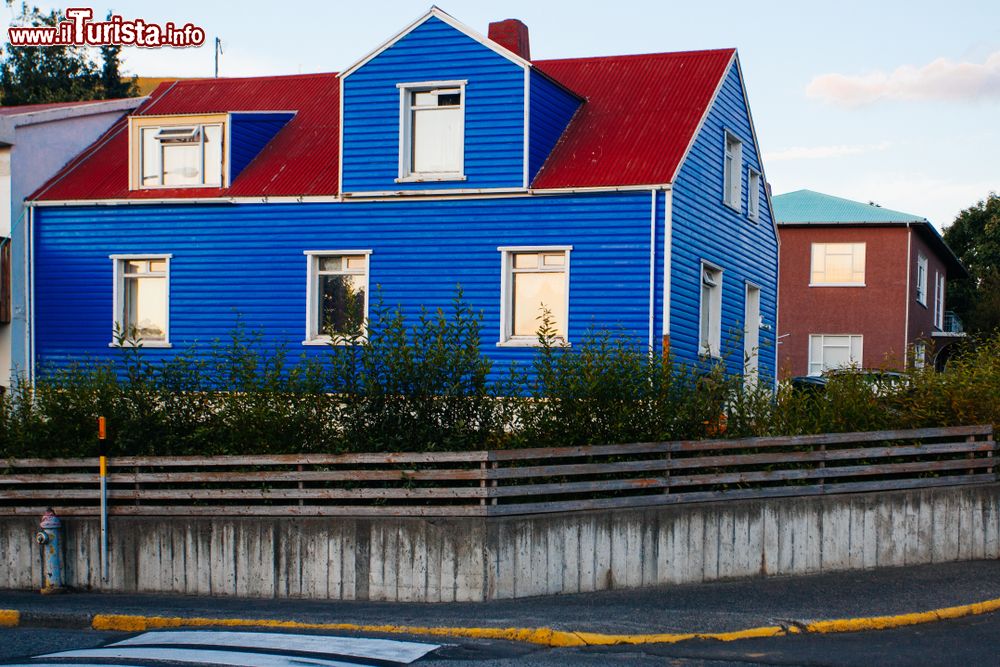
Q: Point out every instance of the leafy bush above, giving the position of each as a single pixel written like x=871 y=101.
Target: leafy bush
x=423 y=385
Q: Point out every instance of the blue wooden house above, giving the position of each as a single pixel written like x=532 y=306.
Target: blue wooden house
x=623 y=193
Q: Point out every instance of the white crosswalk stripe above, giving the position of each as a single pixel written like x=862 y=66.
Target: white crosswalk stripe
x=360 y=647
x=251 y=649
x=198 y=656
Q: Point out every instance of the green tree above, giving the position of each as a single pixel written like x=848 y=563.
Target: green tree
x=113 y=84
x=43 y=74
x=975 y=238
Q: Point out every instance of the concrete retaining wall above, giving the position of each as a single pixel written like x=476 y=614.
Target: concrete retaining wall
x=438 y=560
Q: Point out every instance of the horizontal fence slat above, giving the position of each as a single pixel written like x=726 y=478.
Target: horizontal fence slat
x=744 y=443
x=260 y=510
x=523 y=481
x=471 y=474
x=651 y=500
x=251 y=494
x=735 y=460
x=299 y=459
x=823 y=473
x=580 y=487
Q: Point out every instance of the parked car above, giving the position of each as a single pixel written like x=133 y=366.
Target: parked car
x=882 y=382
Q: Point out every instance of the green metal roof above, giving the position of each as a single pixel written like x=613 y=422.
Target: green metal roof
x=806 y=206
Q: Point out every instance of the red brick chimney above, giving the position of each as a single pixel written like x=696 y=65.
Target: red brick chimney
x=512 y=35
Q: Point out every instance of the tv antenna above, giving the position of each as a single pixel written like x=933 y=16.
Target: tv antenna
x=218 y=50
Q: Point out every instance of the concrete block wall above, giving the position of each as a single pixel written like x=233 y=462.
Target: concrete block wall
x=444 y=560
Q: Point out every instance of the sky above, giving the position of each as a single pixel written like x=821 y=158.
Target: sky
x=885 y=101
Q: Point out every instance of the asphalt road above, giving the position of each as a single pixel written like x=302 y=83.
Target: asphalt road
x=54 y=623
x=966 y=642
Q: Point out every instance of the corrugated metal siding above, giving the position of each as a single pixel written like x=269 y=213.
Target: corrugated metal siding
x=434 y=51
x=640 y=115
x=248 y=134
x=704 y=228
x=229 y=259
x=551 y=109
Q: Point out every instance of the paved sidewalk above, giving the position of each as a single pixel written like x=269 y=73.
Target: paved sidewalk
x=699 y=608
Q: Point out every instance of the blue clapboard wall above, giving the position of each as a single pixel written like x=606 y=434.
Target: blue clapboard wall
x=247 y=260
x=434 y=51
x=706 y=229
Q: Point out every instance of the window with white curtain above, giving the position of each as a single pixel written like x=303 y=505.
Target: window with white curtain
x=432 y=132
x=535 y=282
x=838 y=265
x=181 y=155
x=141 y=299
x=710 y=312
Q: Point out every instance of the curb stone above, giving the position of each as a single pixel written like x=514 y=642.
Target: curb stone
x=538 y=636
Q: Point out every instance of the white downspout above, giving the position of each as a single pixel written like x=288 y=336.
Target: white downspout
x=777 y=303
x=906 y=321
x=652 y=267
x=668 y=233
x=30 y=303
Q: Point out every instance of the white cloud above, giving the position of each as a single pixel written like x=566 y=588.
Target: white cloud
x=823 y=152
x=941 y=79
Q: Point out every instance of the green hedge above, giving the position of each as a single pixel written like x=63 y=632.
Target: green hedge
x=426 y=387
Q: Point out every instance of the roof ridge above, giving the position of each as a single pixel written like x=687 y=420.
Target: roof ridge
x=236 y=79
x=636 y=56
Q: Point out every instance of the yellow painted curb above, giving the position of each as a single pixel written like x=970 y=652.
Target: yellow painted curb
x=9 y=618
x=902 y=620
x=544 y=636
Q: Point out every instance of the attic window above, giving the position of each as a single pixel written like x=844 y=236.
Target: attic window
x=189 y=155
x=432 y=131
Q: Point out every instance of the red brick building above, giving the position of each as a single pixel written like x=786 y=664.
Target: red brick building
x=860 y=285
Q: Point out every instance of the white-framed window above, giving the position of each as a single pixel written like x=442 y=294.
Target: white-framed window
x=837 y=265
x=710 y=312
x=919 y=355
x=939 y=287
x=921 y=280
x=753 y=194
x=432 y=131
x=828 y=351
x=141 y=300
x=751 y=335
x=732 y=181
x=181 y=155
x=534 y=279
x=336 y=295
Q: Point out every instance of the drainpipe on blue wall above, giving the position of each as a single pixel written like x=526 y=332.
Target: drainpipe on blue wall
x=652 y=267
x=29 y=304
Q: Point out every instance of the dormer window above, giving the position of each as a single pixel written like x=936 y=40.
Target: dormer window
x=172 y=153
x=432 y=131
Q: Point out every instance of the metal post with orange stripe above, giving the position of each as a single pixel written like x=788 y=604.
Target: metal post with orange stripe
x=102 y=439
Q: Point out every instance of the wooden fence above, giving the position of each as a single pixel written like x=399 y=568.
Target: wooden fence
x=505 y=482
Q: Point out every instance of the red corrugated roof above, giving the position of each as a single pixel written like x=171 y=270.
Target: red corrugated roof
x=300 y=160
x=638 y=119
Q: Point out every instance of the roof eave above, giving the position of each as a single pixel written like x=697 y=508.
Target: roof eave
x=75 y=111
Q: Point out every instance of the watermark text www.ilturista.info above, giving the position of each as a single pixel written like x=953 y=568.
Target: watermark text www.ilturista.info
x=79 y=30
